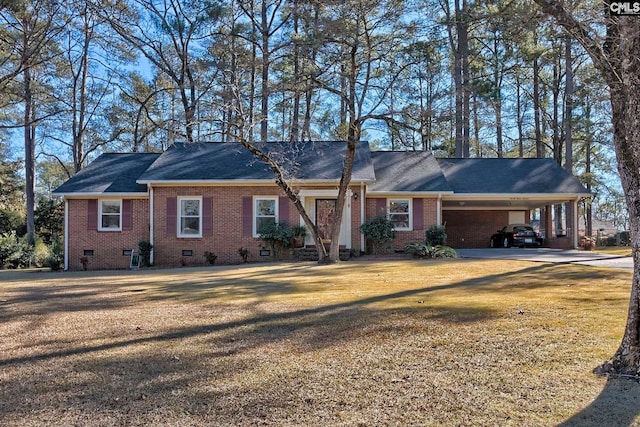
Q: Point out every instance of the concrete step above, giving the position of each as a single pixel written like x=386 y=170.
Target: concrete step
x=311 y=254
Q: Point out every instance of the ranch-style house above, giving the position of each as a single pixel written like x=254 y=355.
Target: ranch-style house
x=213 y=197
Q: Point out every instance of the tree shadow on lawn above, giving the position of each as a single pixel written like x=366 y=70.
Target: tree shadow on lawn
x=309 y=328
x=618 y=405
x=110 y=290
x=260 y=319
x=151 y=375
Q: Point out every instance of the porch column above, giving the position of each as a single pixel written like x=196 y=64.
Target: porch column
x=363 y=217
x=152 y=226
x=548 y=223
x=574 y=223
x=66 y=234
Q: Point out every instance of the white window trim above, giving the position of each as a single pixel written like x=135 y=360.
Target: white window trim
x=254 y=215
x=409 y=213
x=100 y=227
x=179 y=218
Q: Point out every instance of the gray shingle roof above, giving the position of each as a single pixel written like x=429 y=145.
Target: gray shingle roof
x=509 y=176
x=313 y=161
x=412 y=171
x=110 y=173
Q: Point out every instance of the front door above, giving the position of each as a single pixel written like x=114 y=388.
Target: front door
x=325 y=212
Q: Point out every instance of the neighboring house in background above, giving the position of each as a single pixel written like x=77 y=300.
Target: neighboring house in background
x=214 y=197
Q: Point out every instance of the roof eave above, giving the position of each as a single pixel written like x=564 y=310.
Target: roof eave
x=408 y=193
x=517 y=196
x=96 y=194
x=242 y=182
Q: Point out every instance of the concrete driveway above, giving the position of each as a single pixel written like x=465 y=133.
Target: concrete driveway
x=550 y=255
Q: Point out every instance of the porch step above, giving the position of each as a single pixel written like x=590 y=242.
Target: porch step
x=311 y=254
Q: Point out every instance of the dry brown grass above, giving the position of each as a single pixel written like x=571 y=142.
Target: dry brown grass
x=442 y=343
x=615 y=250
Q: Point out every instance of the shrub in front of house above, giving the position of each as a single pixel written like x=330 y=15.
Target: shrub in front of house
x=144 y=248
x=277 y=236
x=436 y=236
x=15 y=252
x=56 y=255
x=378 y=232
x=420 y=250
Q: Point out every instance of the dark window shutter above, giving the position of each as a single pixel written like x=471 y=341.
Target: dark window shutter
x=381 y=207
x=92 y=214
x=283 y=209
x=127 y=213
x=172 y=215
x=207 y=216
x=418 y=213
x=247 y=216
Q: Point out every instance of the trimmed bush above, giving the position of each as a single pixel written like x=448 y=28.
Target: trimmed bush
x=277 y=236
x=378 y=231
x=436 y=235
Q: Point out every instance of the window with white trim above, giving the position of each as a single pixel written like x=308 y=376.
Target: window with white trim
x=399 y=213
x=265 y=212
x=110 y=215
x=189 y=216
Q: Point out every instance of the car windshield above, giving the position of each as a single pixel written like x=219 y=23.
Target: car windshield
x=520 y=228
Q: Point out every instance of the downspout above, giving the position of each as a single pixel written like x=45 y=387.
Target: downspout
x=151 y=224
x=66 y=234
x=362 y=217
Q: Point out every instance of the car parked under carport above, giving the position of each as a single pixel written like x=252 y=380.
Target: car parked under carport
x=520 y=235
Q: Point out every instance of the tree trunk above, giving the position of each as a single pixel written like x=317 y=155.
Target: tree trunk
x=463 y=38
x=536 y=108
x=264 y=108
x=618 y=64
x=294 y=134
x=568 y=129
x=29 y=156
x=519 y=118
x=499 y=142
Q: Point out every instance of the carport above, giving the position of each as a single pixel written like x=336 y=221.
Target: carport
x=491 y=193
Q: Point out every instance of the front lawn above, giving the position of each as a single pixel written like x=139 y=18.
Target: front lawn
x=442 y=343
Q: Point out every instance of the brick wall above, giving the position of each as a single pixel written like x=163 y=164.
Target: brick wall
x=473 y=229
x=228 y=236
x=107 y=246
x=429 y=206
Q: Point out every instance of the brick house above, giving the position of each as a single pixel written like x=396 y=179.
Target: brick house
x=214 y=197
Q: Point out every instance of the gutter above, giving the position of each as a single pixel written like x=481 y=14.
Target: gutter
x=102 y=195
x=240 y=182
